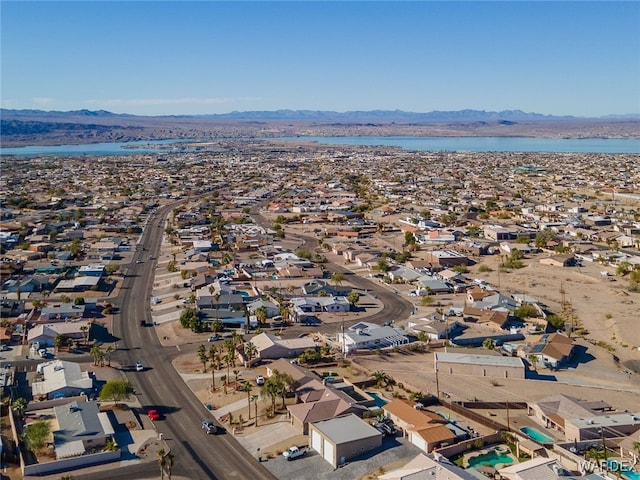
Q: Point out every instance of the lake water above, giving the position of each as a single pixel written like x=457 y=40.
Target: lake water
x=120 y=148
x=462 y=144
x=489 y=144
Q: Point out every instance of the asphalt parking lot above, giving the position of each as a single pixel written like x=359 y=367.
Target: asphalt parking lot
x=392 y=450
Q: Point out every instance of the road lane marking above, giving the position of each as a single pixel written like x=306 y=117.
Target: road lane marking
x=178 y=347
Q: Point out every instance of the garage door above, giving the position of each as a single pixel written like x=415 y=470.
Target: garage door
x=328 y=452
x=316 y=441
x=418 y=441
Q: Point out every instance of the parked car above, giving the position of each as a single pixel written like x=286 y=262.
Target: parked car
x=153 y=415
x=139 y=366
x=259 y=380
x=294 y=452
x=213 y=338
x=209 y=427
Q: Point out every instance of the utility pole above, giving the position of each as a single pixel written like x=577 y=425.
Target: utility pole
x=508 y=422
x=437 y=382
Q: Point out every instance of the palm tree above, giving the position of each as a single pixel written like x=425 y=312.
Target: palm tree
x=337 y=278
x=230 y=357
x=416 y=396
x=533 y=359
x=250 y=351
x=161 y=461
x=215 y=360
x=270 y=389
x=246 y=387
x=19 y=404
x=168 y=459
x=261 y=314
x=96 y=353
x=85 y=334
x=203 y=356
x=254 y=399
x=381 y=378
x=110 y=445
x=107 y=354
x=489 y=344
x=285 y=313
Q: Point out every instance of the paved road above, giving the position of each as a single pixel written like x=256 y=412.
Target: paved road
x=196 y=454
x=394 y=306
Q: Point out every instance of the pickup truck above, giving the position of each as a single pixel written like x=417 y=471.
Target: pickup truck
x=294 y=452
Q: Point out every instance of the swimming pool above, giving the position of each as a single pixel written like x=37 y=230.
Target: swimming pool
x=631 y=475
x=491 y=458
x=536 y=435
x=380 y=402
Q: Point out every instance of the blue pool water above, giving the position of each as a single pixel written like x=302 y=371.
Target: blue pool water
x=632 y=475
x=536 y=435
x=492 y=458
x=380 y=402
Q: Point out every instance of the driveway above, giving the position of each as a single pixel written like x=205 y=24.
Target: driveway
x=392 y=450
x=264 y=436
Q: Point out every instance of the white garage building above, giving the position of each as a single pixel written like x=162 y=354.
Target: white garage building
x=342 y=438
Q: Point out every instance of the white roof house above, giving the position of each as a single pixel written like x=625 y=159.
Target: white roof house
x=365 y=335
x=62 y=379
x=422 y=466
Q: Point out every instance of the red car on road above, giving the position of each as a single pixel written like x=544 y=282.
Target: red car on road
x=153 y=415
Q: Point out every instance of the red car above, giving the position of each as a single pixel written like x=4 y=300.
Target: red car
x=153 y=415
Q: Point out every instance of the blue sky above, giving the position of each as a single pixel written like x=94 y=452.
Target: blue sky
x=156 y=58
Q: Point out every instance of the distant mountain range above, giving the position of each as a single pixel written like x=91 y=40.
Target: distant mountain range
x=467 y=115
x=321 y=115
x=39 y=127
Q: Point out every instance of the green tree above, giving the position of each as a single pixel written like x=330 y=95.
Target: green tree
x=248 y=388
x=36 y=435
x=19 y=405
x=116 y=390
x=110 y=445
x=191 y=320
x=556 y=321
x=270 y=389
x=97 y=354
x=261 y=314
x=61 y=340
x=112 y=268
x=230 y=355
x=250 y=351
x=353 y=298
x=526 y=310
x=543 y=237
x=381 y=378
x=533 y=360
x=162 y=462
x=107 y=354
x=383 y=266
x=204 y=357
x=75 y=247
x=489 y=344
x=337 y=278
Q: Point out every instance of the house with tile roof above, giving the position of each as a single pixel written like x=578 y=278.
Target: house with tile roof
x=423 y=428
x=551 y=350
